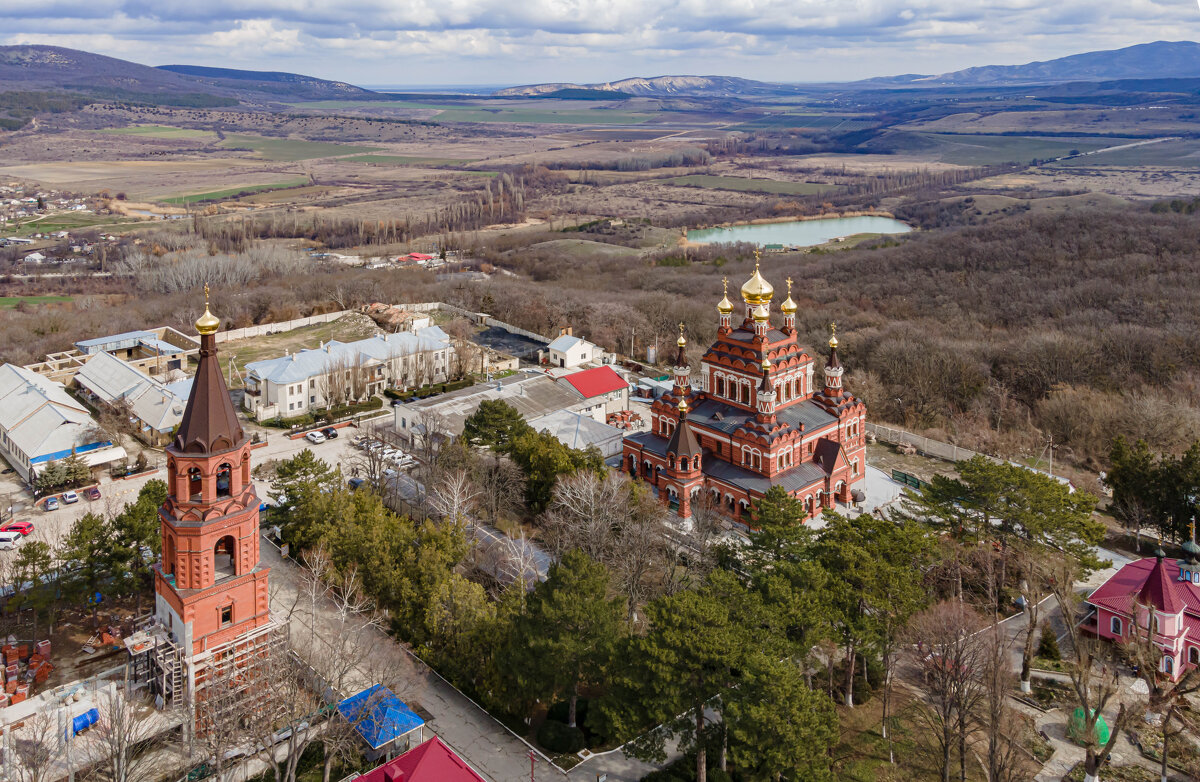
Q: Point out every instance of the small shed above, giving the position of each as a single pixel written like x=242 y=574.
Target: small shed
x=384 y=722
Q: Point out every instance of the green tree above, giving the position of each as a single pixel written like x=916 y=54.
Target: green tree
x=543 y=458
x=135 y=528
x=495 y=424
x=779 y=518
x=51 y=476
x=31 y=567
x=777 y=725
x=86 y=550
x=296 y=489
x=696 y=643
x=569 y=628
x=75 y=470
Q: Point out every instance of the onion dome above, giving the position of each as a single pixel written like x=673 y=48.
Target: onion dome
x=761 y=314
x=208 y=322
x=757 y=290
x=725 y=306
x=833 y=342
x=682 y=341
x=788 y=306
x=1192 y=550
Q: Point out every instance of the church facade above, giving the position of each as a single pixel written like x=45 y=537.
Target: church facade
x=755 y=421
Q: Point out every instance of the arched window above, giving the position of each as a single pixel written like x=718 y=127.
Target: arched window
x=225 y=557
x=194 y=483
x=168 y=554
x=1168 y=664
x=720 y=386
x=1116 y=626
x=224 y=480
x=1194 y=656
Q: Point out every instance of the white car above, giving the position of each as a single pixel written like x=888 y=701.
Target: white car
x=314 y=437
x=391 y=454
x=10 y=539
x=70 y=497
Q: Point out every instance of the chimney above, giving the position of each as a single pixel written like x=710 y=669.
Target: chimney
x=393 y=774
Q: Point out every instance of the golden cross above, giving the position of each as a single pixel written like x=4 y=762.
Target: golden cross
x=833 y=329
x=725 y=282
x=681 y=328
x=789 y=284
x=206 y=295
x=757 y=254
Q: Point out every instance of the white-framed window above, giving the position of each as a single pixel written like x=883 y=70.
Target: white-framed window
x=1115 y=626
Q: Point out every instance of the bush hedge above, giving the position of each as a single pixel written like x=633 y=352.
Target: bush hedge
x=325 y=416
x=560 y=738
x=429 y=390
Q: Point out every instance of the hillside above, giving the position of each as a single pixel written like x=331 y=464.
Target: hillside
x=667 y=87
x=1161 y=59
x=28 y=68
x=279 y=82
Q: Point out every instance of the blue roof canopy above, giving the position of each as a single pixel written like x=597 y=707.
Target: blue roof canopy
x=379 y=716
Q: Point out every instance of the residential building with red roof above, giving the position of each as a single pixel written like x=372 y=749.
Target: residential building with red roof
x=1167 y=590
x=602 y=388
x=432 y=761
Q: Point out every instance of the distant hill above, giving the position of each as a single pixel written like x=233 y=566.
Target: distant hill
x=1158 y=60
x=27 y=68
x=666 y=87
x=278 y=82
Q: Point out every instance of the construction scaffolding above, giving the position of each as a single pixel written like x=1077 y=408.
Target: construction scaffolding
x=234 y=680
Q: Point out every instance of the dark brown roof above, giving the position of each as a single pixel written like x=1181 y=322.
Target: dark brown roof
x=210 y=423
x=683 y=442
x=834 y=362
x=826 y=454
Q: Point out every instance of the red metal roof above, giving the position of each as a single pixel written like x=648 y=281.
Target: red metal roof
x=420 y=257
x=432 y=761
x=595 y=382
x=1147 y=580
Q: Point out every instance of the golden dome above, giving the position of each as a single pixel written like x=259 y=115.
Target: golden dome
x=683 y=406
x=725 y=306
x=766 y=365
x=208 y=322
x=788 y=306
x=833 y=343
x=761 y=314
x=757 y=290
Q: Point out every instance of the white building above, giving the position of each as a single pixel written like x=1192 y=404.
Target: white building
x=40 y=423
x=568 y=351
x=341 y=372
x=602 y=390
x=157 y=407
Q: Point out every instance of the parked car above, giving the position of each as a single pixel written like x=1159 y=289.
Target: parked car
x=92 y=492
x=330 y=433
x=390 y=473
x=52 y=503
x=354 y=483
x=70 y=497
x=315 y=437
x=391 y=453
x=10 y=540
x=24 y=527
x=360 y=441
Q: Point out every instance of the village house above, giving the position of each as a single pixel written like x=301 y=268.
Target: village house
x=156 y=408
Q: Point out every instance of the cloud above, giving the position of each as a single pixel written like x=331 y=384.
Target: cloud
x=594 y=40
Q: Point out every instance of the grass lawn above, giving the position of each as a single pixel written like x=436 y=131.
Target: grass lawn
x=288 y=150
x=747 y=185
x=243 y=351
x=160 y=131
x=9 y=302
x=215 y=195
x=980 y=149
x=67 y=221
x=400 y=160
x=1184 y=153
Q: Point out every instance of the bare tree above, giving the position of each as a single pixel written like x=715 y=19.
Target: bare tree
x=948 y=636
x=37 y=749
x=126 y=731
x=1037 y=574
x=1093 y=676
x=501 y=485
x=454 y=497
x=334 y=382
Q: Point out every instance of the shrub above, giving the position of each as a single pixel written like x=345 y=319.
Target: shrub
x=1048 y=646
x=560 y=738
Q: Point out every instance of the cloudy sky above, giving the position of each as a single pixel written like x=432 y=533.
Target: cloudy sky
x=422 y=42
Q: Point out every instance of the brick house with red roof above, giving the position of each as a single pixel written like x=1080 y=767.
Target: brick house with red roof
x=1167 y=590
x=755 y=421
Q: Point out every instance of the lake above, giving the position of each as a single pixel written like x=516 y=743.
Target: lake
x=799 y=233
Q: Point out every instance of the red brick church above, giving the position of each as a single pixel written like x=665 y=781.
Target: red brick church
x=755 y=421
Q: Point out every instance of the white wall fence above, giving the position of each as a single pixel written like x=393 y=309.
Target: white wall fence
x=935 y=448
x=274 y=328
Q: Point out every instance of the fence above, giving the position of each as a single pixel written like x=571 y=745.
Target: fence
x=275 y=328
x=935 y=448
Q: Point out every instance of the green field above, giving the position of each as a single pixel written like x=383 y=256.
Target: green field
x=68 y=221
x=809 y=121
x=9 y=302
x=747 y=185
x=1184 y=153
x=289 y=150
x=401 y=160
x=216 y=195
x=600 y=116
x=160 y=131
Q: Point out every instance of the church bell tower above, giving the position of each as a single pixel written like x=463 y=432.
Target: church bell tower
x=210 y=588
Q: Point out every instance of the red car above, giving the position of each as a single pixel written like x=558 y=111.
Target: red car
x=92 y=493
x=24 y=527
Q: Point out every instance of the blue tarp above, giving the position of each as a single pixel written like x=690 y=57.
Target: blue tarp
x=379 y=716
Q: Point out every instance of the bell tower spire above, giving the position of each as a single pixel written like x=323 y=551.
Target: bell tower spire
x=725 y=308
x=683 y=371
